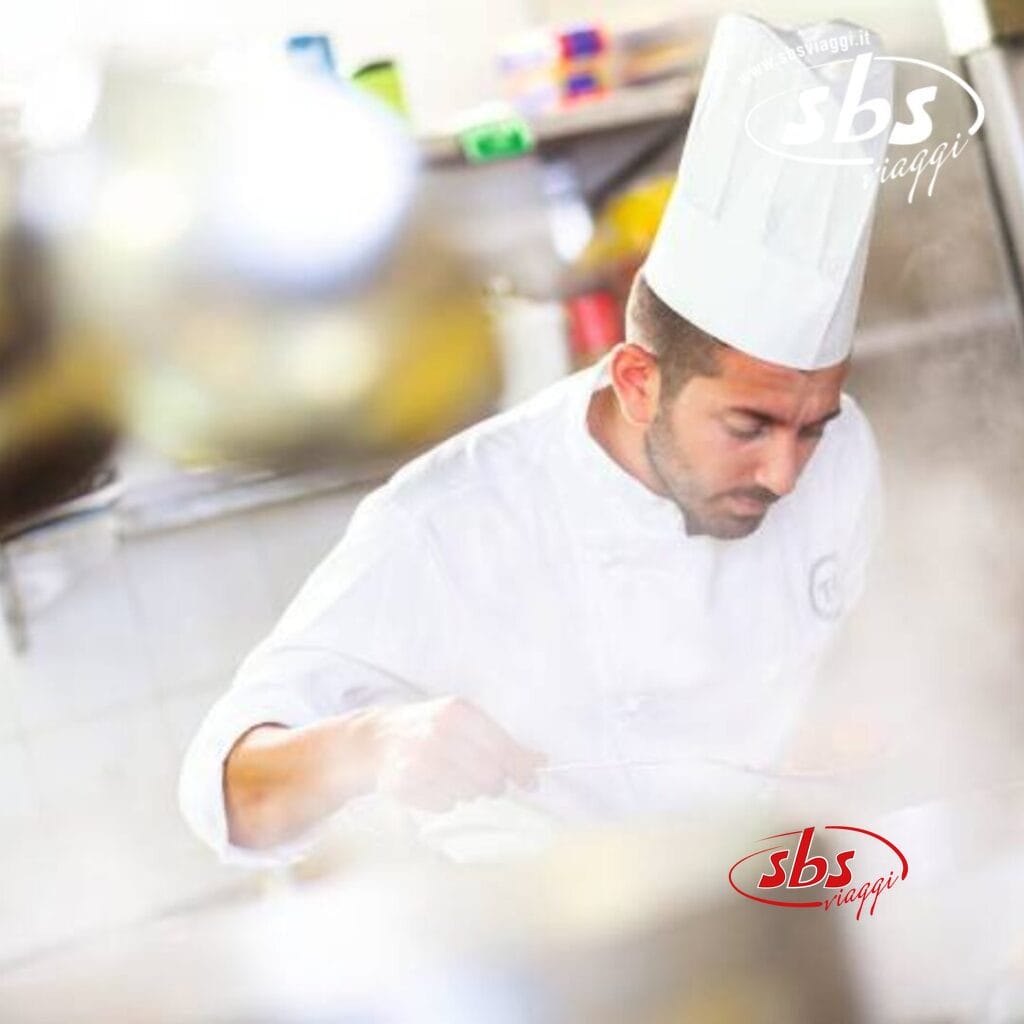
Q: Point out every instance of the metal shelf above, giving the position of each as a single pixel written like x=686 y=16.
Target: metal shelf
x=627 y=107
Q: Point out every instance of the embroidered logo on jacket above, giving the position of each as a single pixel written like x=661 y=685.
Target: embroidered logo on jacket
x=825 y=589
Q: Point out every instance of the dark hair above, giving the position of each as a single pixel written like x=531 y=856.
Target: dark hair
x=683 y=349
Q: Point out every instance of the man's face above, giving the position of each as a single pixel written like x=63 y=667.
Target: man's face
x=726 y=447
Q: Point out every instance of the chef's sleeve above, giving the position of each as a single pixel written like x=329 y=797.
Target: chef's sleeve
x=372 y=625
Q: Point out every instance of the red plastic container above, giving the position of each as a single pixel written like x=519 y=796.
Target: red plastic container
x=595 y=325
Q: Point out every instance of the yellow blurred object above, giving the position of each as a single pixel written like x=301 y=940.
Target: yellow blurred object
x=382 y=79
x=60 y=388
x=438 y=371
x=626 y=226
x=260 y=247
x=77 y=383
x=404 y=363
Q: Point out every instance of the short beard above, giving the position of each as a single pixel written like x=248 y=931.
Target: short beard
x=671 y=471
x=676 y=478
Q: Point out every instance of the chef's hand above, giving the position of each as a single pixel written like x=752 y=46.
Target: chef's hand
x=431 y=754
x=278 y=781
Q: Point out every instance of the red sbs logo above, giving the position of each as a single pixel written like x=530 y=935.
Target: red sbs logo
x=790 y=875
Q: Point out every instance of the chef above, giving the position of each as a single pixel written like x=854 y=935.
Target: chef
x=613 y=597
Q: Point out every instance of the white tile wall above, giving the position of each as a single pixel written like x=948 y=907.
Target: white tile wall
x=29 y=862
x=203 y=597
x=121 y=761
x=183 y=710
x=19 y=800
x=86 y=653
x=10 y=706
x=291 y=539
x=122 y=665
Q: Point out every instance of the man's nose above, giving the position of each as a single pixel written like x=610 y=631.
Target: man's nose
x=780 y=467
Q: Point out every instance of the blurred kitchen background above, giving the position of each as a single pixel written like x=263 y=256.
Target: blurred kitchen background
x=548 y=132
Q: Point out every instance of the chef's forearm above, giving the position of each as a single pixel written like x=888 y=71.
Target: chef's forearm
x=278 y=781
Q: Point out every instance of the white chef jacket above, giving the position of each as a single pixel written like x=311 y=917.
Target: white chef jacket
x=518 y=565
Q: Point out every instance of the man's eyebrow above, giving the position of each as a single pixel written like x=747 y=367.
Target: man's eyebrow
x=828 y=416
x=756 y=414
x=764 y=417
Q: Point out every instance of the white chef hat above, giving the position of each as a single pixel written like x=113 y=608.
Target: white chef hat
x=763 y=242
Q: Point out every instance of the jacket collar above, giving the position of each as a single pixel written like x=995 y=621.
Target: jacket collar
x=609 y=504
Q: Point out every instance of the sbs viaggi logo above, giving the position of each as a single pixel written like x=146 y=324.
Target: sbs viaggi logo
x=853 y=870
x=909 y=125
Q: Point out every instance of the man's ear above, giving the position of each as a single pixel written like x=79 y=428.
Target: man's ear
x=636 y=379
